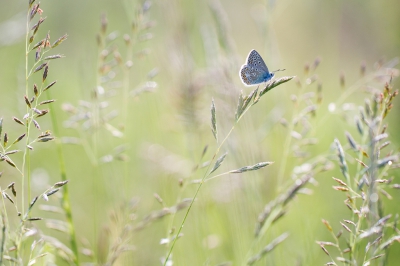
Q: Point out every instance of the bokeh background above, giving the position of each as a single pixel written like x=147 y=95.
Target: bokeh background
x=196 y=49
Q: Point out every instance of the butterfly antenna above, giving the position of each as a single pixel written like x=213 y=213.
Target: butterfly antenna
x=278 y=70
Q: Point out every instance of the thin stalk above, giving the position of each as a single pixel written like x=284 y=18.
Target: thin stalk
x=127 y=81
x=3 y=240
x=28 y=164
x=210 y=178
x=125 y=111
x=86 y=147
x=370 y=134
x=195 y=195
x=353 y=187
x=65 y=202
x=178 y=199
x=26 y=151
x=26 y=156
x=286 y=146
x=95 y=137
x=4 y=217
x=255 y=98
x=266 y=226
x=373 y=206
x=285 y=155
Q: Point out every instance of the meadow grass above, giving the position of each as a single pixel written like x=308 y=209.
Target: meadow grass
x=215 y=201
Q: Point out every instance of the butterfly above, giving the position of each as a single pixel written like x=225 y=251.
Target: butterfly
x=255 y=71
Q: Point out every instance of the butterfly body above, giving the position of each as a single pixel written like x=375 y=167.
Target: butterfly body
x=255 y=71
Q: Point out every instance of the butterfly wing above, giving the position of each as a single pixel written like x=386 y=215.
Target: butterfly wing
x=255 y=60
x=255 y=71
x=251 y=75
x=245 y=75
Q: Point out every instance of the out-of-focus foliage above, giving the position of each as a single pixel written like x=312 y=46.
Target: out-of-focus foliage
x=133 y=100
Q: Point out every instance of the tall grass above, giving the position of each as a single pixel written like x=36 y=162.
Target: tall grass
x=200 y=193
x=16 y=234
x=369 y=230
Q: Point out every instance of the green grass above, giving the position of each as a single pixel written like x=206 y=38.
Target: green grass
x=154 y=153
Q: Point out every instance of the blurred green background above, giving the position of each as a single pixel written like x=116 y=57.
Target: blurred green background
x=197 y=48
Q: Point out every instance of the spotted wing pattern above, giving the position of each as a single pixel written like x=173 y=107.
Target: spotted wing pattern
x=251 y=75
x=255 y=71
x=254 y=59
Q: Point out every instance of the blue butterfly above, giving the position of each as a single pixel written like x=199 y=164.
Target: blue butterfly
x=255 y=71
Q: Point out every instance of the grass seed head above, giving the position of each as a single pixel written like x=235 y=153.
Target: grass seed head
x=326 y=223
x=12 y=152
x=19 y=138
x=59 y=41
x=52 y=57
x=346 y=227
x=46 y=102
x=47 y=41
x=5 y=195
x=35 y=27
x=39 y=44
x=11 y=185
x=42 y=113
x=35 y=90
x=50 y=85
x=45 y=72
x=38 y=54
x=14 y=191
x=40 y=67
x=18 y=121
x=51 y=192
x=34 y=11
x=61 y=183
x=340 y=181
x=5 y=140
x=31 y=3
x=8 y=160
x=27 y=101
x=32 y=219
